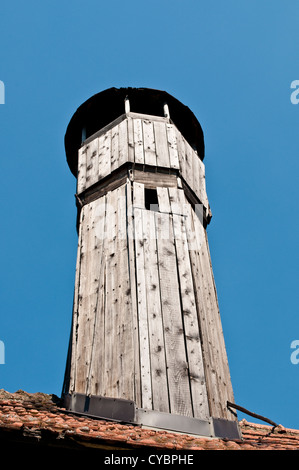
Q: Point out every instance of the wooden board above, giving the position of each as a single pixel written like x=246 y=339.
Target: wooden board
x=214 y=353
x=123 y=295
x=138 y=141
x=81 y=177
x=202 y=185
x=177 y=201
x=220 y=357
x=133 y=291
x=73 y=340
x=196 y=175
x=172 y=146
x=95 y=373
x=153 y=179
x=161 y=141
x=104 y=155
x=111 y=351
x=147 y=117
x=181 y=153
x=123 y=146
x=138 y=195
x=163 y=199
x=194 y=229
x=189 y=310
x=92 y=162
x=160 y=401
x=192 y=169
x=101 y=188
x=87 y=300
x=114 y=148
x=144 y=347
x=131 y=149
x=149 y=143
x=189 y=164
x=176 y=361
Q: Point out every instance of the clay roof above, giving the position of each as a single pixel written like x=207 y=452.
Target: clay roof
x=39 y=418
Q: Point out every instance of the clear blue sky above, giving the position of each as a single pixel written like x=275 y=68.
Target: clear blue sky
x=232 y=62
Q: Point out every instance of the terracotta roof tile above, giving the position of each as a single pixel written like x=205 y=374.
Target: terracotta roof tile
x=40 y=416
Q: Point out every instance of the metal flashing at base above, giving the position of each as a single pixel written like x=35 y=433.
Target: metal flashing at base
x=126 y=411
x=97 y=406
x=172 y=422
x=226 y=429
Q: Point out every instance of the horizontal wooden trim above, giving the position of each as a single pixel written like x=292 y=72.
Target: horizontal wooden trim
x=149 y=117
x=151 y=176
x=102 y=187
x=152 y=179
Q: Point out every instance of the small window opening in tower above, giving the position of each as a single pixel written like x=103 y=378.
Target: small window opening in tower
x=151 y=199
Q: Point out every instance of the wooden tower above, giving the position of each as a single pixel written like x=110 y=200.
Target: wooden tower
x=146 y=343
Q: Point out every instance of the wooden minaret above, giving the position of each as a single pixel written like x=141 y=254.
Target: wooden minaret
x=146 y=343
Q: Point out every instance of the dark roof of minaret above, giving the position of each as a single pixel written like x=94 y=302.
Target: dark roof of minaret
x=104 y=107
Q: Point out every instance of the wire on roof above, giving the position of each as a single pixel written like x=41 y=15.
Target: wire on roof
x=254 y=415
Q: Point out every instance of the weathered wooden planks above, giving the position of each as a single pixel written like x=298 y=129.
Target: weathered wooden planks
x=138 y=141
x=123 y=144
x=146 y=319
x=149 y=144
x=142 y=308
x=181 y=152
x=177 y=366
x=92 y=155
x=202 y=193
x=119 y=342
x=81 y=176
x=102 y=304
x=189 y=308
x=163 y=199
x=172 y=146
x=160 y=400
x=156 y=143
x=123 y=292
x=192 y=169
x=104 y=157
x=154 y=179
x=161 y=142
x=213 y=347
x=114 y=148
x=221 y=362
x=137 y=393
x=86 y=293
x=95 y=369
x=172 y=374
x=73 y=339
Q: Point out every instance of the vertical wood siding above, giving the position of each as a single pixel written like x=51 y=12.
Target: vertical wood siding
x=146 y=323
x=146 y=142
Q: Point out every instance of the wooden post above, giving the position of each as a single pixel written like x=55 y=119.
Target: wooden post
x=166 y=110
x=127 y=105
